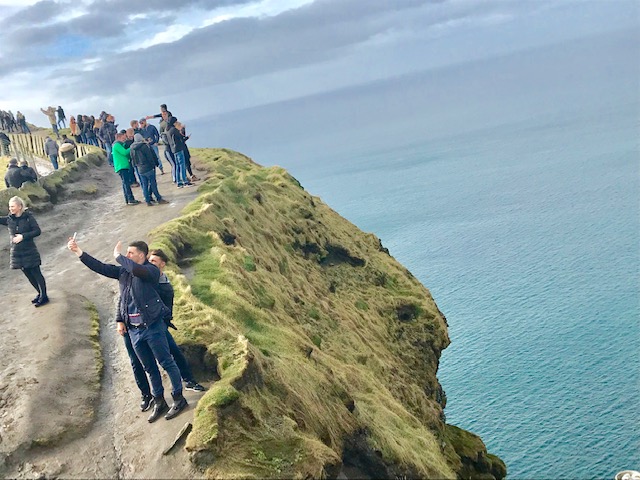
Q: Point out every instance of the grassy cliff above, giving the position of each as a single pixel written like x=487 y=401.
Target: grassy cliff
x=325 y=347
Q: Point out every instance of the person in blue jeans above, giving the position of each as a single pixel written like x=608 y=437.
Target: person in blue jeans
x=177 y=145
x=145 y=161
x=165 y=290
x=51 y=150
x=141 y=314
x=152 y=137
x=122 y=166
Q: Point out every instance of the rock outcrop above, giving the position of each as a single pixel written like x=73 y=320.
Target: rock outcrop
x=325 y=348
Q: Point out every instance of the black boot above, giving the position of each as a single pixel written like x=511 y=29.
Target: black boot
x=159 y=407
x=145 y=402
x=179 y=404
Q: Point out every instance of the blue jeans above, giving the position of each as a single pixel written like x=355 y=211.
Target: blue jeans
x=54 y=161
x=150 y=345
x=25 y=127
x=64 y=125
x=54 y=127
x=155 y=149
x=126 y=184
x=138 y=370
x=181 y=169
x=149 y=185
x=169 y=156
x=107 y=147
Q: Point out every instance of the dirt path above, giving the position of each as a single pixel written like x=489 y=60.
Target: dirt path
x=45 y=361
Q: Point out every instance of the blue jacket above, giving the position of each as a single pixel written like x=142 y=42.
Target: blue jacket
x=139 y=281
x=151 y=132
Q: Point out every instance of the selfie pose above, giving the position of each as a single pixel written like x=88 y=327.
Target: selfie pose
x=24 y=255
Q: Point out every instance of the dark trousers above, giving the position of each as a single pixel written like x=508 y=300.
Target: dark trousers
x=138 y=370
x=150 y=345
x=149 y=185
x=125 y=176
x=36 y=279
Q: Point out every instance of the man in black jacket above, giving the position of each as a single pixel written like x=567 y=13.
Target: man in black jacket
x=141 y=313
x=14 y=177
x=145 y=160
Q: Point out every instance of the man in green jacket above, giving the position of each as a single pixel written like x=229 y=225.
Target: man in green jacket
x=122 y=166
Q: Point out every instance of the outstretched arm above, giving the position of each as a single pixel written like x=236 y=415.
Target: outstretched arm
x=105 y=269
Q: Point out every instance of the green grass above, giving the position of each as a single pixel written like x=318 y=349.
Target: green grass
x=295 y=338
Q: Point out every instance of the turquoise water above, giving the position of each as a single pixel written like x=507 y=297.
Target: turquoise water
x=528 y=237
x=511 y=189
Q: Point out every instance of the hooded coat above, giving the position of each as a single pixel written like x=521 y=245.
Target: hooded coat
x=175 y=139
x=141 y=155
x=23 y=254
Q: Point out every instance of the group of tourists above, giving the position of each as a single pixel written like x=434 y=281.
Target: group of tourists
x=145 y=305
x=144 y=313
x=11 y=123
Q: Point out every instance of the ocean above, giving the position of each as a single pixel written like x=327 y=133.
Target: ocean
x=515 y=198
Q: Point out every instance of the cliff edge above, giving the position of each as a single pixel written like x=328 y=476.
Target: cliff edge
x=324 y=347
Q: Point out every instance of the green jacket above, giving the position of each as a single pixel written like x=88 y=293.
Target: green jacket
x=121 y=157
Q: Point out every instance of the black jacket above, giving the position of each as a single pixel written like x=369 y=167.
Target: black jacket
x=14 y=177
x=28 y=173
x=139 y=281
x=175 y=139
x=23 y=254
x=143 y=157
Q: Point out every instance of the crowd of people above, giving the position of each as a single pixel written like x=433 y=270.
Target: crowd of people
x=145 y=305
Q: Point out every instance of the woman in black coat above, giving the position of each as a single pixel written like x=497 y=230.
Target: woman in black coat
x=24 y=255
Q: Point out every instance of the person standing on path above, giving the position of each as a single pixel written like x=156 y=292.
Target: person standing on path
x=176 y=143
x=141 y=314
x=145 y=161
x=122 y=166
x=24 y=254
x=51 y=150
x=165 y=290
x=51 y=115
x=151 y=135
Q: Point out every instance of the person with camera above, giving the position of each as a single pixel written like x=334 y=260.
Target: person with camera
x=141 y=314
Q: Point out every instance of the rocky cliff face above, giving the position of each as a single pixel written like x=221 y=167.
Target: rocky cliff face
x=326 y=348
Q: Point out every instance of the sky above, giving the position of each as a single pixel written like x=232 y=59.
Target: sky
x=204 y=57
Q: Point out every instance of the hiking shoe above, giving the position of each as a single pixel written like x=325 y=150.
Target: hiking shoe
x=35 y=300
x=145 y=402
x=41 y=301
x=195 y=386
x=162 y=201
x=133 y=202
x=179 y=404
x=149 y=204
